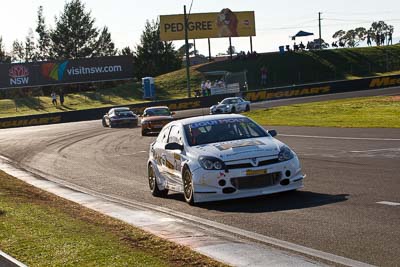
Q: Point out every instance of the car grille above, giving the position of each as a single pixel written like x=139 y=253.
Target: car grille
x=249 y=165
x=256 y=181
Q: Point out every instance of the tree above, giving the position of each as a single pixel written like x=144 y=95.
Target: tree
x=126 y=51
x=74 y=35
x=351 y=38
x=30 y=50
x=104 y=45
x=44 y=41
x=18 y=51
x=3 y=55
x=153 y=56
x=378 y=28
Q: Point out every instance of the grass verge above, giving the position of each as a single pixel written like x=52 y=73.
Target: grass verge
x=41 y=229
x=366 y=112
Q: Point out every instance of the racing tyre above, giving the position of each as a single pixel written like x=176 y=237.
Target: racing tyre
x=144 y=132
x=188 y=186
x=103 y=121
x=233 y=110
x=155 y=191
x=247 y=108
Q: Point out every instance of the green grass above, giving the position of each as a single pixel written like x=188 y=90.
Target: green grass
x=40 y=229
x=314 y=66
x=368 y=112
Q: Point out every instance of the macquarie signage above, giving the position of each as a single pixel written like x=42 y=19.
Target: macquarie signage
x=225 y=23
x=66 y=72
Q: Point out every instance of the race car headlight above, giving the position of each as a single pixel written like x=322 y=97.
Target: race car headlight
x=285 y=154
x=211 y=163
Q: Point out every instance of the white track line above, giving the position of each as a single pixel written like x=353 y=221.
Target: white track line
x=375 y=150
x=341 y=138
x=388 y=203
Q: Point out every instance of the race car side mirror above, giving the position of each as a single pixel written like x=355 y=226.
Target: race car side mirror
x=273 y=133
x=173 y=146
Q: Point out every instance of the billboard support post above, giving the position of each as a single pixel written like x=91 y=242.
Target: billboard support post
x=251 y=44
x=185 y=23
x=230 y=48
x=209 y=50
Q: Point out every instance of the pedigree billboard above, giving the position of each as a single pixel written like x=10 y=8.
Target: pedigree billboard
x=208 y=25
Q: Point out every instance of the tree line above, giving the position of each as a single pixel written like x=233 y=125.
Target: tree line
x=379 y=32
x=76 y=36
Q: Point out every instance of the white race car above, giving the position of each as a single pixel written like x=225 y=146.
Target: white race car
x=219 y=157
x=230 y=105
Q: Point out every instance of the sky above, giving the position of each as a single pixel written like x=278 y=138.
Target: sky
x=275 y=21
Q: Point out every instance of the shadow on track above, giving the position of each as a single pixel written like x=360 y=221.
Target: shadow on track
x=270 y=203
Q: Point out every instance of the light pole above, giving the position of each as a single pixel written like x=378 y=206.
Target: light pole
x=185 y=23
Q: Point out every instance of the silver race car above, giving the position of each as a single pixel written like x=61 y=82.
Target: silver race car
x=230 y=105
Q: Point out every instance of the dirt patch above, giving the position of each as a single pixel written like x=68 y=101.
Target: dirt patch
x=395 y=98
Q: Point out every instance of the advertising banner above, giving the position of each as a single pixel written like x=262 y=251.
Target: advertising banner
x=65 y=71
x=208 y=25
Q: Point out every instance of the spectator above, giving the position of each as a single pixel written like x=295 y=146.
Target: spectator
x=208 y=87
x=263 y=75
x=390 y=38
x=54 y=98
x=203 y=88
x=383 y=39
x=369 y=40
x=61 y=97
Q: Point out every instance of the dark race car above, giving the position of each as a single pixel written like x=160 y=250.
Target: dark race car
x=154 y=118
x=120 y=117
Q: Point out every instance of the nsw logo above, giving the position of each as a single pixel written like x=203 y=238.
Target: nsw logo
x=54 y=71
x=19 y=75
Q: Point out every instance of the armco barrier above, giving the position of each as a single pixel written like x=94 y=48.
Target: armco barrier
x=200 y=102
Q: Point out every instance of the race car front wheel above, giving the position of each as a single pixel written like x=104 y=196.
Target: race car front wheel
x=155 y=191
x=188 y=186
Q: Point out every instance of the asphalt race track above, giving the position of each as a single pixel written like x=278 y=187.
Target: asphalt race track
x=348 y=206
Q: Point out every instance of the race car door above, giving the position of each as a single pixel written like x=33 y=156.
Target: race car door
x=174 y=158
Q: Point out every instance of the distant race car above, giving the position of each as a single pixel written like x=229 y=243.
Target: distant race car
x=218 y=157
x=120 y=116
x=154 y=118
x=230 y=105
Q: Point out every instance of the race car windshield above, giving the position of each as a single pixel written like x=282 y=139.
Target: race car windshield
x=124 y=113
x=214 y=131
x=158 y=112
x=229 y=101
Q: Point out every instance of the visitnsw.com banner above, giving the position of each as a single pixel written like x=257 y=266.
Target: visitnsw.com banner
x=65 y=71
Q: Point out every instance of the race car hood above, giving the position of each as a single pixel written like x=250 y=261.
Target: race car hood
x=219 y=106
x=239 y=149
x=157 y=118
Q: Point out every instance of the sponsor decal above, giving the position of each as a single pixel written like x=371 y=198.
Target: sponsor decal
x=74 y=71
x=256 y=172
x=386 y=81
x=263 y=95
x=54 y=71
x=19 y=75
x=216 y=122
x=227 y=146
x=185 y=105
x=29 y=122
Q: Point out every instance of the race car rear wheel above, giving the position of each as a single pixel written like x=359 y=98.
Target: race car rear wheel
x=233 y=110
x=188 y=186
x=155 y=191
